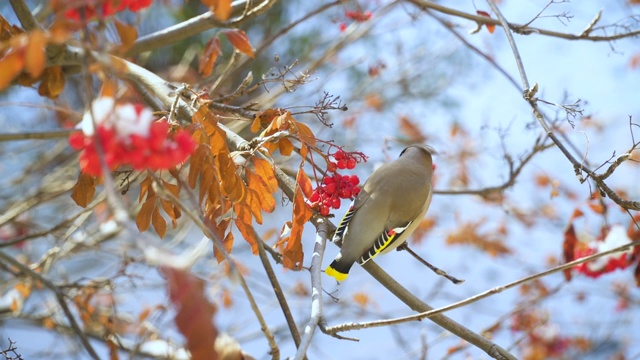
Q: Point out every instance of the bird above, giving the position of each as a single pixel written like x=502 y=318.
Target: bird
x=390 y=206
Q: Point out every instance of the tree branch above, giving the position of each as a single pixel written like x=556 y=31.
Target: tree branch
x=59 y=296
x=316 y=289
x=517 y=28
x=277 y=289
x=480 y=296
x=196 y=25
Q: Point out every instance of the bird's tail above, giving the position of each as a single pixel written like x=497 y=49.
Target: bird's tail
x=338 y=270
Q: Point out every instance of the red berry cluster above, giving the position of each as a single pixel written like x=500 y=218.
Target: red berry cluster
x=154 y=152
x=90 y=9
x=614 y=262
x=332 y=189
x=343 y=161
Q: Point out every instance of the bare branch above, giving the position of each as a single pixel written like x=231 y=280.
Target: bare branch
x=520 y=29
x=277 y=289
x=316 y=289
x=485 y=294
x=198 y=24
x=60 y=297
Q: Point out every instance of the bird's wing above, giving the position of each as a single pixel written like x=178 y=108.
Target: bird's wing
x=344 y=223
x=383 y=241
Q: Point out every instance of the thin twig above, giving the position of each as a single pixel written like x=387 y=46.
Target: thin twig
x=197 y=25
x=277 y=289
x=41 y=135
x=482 y=295
x=518 y=28
x=424 y=262
x=60 y=296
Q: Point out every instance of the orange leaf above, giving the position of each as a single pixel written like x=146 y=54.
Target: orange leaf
x=597 y=207
x=568 y=247
x=194 y=312
x=35 y=57
x=248 y=234
x=243 y=213
x=490 y=27
x=292 y=254
x=253 y=202
x=304 y=183
x=285 y=146
x=196 y=165
x=264 y=169
x=143 y=219
x=84 y=189
x=127 y=33
x=218 y=141
x=227 y=243
x=52 y=82
x=159 y=223
x=222 y=10
x=145 y=188
x=232 y=184
x=255 y=182
x=240 y=41
x=412 y=131
x=168 y=208
x=11 y=66
x=255 y=125
x=305 y=134
x=211 y=52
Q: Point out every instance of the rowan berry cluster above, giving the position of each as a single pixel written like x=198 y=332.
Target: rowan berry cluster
x=91 y=9
x=611 y=263
x=129 y=135
x=335 y=187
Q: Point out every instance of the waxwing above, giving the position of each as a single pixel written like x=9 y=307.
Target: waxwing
x=387 y=210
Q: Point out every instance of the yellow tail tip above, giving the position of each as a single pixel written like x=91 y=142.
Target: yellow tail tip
x=335 y=274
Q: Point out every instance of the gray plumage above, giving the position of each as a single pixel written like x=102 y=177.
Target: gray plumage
x=395 y=197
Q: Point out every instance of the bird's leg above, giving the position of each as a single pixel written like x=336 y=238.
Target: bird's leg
x=436 y=270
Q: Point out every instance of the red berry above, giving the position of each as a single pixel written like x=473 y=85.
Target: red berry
x=336 y=203
x=345 y=193
x=340 y=154
x=324 y=210
x=331 y=188
x=354 y=180
x=327 y=202
x=356 y=191
x=342 y=164
x=332 y=166
x=351 y=163
x=328 y=180
x=315 y=196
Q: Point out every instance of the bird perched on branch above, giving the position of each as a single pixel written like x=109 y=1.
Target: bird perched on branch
x=389 y=208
